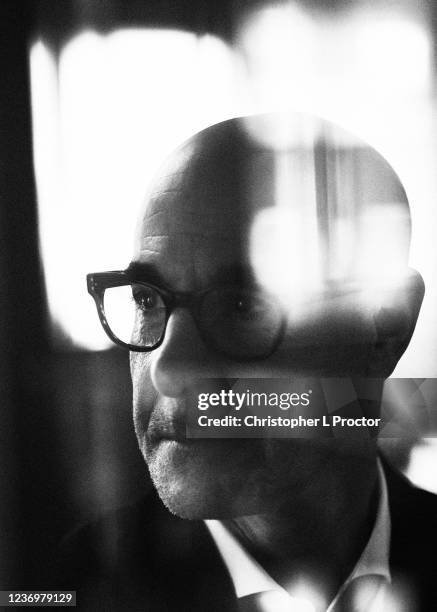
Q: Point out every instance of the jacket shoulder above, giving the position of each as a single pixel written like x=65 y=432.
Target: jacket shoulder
x=143 y=557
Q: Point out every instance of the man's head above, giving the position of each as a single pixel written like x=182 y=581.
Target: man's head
x=299 y=214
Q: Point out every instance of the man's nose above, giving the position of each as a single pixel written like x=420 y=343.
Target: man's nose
x=182 y=357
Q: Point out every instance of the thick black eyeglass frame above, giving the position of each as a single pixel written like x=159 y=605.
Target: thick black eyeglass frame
x=98 y=282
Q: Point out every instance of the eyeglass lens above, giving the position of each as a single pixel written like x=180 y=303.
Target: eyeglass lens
x=241 y=323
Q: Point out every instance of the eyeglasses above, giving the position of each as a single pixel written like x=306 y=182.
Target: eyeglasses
x=242 y=323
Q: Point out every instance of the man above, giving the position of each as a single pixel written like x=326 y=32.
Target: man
x=255 y=258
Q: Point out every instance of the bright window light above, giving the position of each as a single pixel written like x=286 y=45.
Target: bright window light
x=422 y=469
x=104 y=120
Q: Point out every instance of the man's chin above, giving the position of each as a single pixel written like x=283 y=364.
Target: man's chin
x=195 y=481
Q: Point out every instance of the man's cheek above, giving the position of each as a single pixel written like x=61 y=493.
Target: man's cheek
x=140 y=372
x=144 y=395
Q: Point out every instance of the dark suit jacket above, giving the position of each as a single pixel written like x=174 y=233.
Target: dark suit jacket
x=144 y=558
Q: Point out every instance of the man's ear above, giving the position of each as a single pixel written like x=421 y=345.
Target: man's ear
x=394 y=323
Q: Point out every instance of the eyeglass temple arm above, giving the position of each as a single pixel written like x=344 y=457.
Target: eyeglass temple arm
x=97 y=281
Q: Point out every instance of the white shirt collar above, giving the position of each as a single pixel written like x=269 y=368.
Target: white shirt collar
x=249 y=577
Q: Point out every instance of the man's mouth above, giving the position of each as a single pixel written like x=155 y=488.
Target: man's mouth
x=172 y=433
x=168 y=421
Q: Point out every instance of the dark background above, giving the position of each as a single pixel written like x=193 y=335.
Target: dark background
x=67 y=448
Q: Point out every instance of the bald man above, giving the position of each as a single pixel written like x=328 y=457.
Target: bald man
x=269 y=247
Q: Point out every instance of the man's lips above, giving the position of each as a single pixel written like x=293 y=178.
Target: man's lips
x=168 y=421
x=171 y=431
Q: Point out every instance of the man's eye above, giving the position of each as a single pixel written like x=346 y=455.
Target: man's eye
x=146 y=299
x=244 y=304
x=247 y=306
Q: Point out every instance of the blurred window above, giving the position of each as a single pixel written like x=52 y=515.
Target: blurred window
x=110 y=108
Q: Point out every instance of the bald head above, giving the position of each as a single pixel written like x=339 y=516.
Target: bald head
x=282 y=189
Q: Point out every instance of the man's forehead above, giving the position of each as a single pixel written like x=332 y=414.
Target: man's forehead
x=185 y=223
x=191 y=210
x=205 y=195
x=194 y=225
x=190 y=232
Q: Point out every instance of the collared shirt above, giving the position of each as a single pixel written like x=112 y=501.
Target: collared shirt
x=249 y=577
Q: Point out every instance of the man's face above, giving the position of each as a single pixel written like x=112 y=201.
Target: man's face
x=194 y=235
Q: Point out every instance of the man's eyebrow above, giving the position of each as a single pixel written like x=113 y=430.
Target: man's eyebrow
x=238 y=274
x=145 y=272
